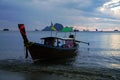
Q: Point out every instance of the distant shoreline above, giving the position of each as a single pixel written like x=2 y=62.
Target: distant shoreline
x=64 y=32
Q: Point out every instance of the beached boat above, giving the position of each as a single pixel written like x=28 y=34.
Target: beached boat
x=50 y=47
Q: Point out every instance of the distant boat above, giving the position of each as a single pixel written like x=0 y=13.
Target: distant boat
x=49 y=49
x=5 y=29
x=116 y=30
x=36 y=30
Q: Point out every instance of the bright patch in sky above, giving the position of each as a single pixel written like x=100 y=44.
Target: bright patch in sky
x=112 y=8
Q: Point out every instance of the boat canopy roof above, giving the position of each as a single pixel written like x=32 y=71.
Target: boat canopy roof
x=57 y=38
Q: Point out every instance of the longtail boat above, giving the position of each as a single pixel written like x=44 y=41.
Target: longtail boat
x=50 y=47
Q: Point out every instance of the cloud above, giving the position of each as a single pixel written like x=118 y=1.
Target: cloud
x=42 y=11
x=111 y=8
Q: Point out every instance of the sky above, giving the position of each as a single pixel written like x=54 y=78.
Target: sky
x=80 y=14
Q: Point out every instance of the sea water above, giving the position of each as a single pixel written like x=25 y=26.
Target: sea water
x=103 y=51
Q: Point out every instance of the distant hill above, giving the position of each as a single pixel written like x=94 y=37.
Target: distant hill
x=47 y=28
x=58 y=27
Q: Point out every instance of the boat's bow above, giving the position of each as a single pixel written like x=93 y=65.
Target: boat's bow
x=24 y=36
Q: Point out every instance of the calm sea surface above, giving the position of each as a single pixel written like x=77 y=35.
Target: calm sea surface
x=103 y=51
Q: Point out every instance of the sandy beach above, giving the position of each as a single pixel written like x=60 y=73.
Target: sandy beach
x=43 y=74
x=11 y=75
x=55 y=72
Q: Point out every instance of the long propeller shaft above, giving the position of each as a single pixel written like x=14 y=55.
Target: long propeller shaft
x=83 y=42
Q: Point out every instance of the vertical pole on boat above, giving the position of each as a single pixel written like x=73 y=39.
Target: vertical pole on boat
x=51 y=33
x=75 y=33
x=56 y=34
x=52 y=28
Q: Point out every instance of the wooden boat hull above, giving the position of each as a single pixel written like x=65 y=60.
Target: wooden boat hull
x=44 y=52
